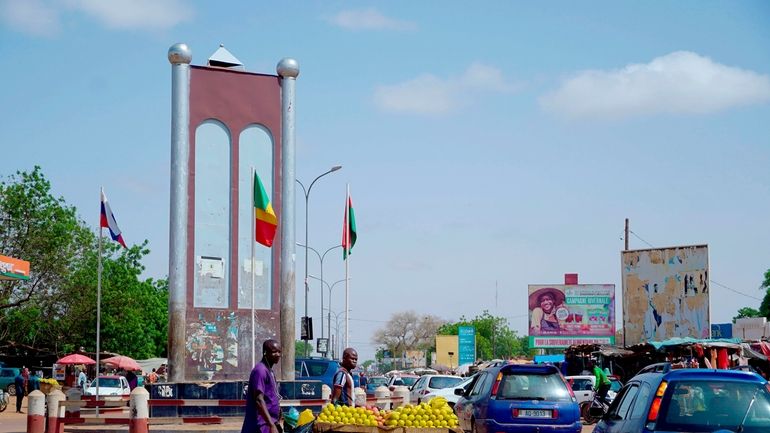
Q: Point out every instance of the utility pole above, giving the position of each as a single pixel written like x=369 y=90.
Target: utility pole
x=625 y=236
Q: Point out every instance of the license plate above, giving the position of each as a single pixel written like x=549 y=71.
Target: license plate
x=535 y=413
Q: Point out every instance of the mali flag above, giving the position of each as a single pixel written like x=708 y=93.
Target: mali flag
x=266 y=222
x=348 y=229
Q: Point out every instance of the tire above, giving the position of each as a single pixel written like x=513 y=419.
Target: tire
x=3 y=402
x=11 y=390
x=585 y=413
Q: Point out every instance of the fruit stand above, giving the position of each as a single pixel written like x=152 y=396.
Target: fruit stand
x=433 y=417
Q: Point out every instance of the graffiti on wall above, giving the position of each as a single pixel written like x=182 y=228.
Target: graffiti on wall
x=212 y=345
x=665 y=293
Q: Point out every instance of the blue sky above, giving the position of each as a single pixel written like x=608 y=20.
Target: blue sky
x=499 y=142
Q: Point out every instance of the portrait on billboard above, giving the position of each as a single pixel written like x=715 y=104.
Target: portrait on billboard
x=665 y=293
x=563 y=315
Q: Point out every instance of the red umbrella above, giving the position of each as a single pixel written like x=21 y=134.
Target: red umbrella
x=76 y=359
x=122 y=362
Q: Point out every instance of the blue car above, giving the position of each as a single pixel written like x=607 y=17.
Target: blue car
x=518 y=398
x=662 y=400
x=321 y=369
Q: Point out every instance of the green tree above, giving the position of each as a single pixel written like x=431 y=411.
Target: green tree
x=747 y=312
x=494 y=338
x=299 y=348
x=764 y=307
x=55 y=310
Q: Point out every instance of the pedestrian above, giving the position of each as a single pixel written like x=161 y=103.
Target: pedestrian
x=263 y=409
x=25 y=375
x=82 y=379
x=133 y=381
x=602 y=385
x=152 y=377
x=343 y=392
x=34 y=382
x=19 y=385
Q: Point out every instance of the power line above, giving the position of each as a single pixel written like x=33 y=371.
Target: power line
x=735 y=291
x=638 y=237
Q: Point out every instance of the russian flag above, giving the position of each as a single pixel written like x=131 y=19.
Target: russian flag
x=108 y=221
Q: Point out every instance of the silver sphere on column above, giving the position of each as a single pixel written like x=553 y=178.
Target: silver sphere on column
x=288 y=68
x=179 y=53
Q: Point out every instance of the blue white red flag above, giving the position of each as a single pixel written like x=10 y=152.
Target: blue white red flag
x=108 y=222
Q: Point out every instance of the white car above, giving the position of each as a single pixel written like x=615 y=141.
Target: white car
x=448 y=393
x=583 y=387
x=109 y=386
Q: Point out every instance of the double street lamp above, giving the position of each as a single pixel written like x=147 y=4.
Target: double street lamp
x=321 y=258
x=306 y=191
x=330 y=298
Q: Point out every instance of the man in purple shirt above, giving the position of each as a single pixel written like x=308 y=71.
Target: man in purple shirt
x=263 y=410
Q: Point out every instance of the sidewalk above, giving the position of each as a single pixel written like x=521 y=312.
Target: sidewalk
x=12 y=422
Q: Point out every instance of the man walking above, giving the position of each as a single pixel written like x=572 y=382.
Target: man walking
x=18 y=383
x=343 y=392
x=263 y=409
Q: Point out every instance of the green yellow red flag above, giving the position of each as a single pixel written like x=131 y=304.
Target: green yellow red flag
x=266 y=222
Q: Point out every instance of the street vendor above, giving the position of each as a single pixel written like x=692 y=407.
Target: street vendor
x=263 y=410
x=343 y=392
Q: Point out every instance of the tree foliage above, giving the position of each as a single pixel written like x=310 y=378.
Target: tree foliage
x=407 y=331
x=55 y=310
x=494 y=338
x=747 y=312
x=764 y=307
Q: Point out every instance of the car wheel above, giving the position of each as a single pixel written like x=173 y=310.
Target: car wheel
x=11 y=390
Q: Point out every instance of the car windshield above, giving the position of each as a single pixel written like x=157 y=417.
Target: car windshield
x=107 y=382
x=377 y=381
x=712 y=405
x=533 y=387
x=443 y=382
x=580 y=384
x=409 y=381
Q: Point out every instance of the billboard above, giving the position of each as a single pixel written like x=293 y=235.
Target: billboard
x=665 y=293
x=563 y=315
x=466 y=341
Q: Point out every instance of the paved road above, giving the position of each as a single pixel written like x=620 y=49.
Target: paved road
x=12 y=422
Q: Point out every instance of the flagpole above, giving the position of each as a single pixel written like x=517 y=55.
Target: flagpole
x=99 y=299
x=253 y=278
x=347 y=259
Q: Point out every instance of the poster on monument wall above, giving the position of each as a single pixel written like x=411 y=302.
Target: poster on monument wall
x=665 y=293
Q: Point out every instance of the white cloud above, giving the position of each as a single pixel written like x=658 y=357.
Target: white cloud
x=369 y=19
x=432 y=95
x=30 y=16
x=680 y=82
x=42 y=17
x=126 y=14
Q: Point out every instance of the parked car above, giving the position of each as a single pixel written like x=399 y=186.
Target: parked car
x=519 y=398
x=660 y=399
x=406 y=380
x=316 y=369
x=449 y=393
x=583 y=387
x=7 y=375
x=431 y=382
x=109 y=386
x=374 y=382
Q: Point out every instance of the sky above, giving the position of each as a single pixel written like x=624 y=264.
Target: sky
x=487 y=146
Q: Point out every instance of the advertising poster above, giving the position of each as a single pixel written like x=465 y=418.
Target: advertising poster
x=564 y=315
x=665 y=293
x=466 y=336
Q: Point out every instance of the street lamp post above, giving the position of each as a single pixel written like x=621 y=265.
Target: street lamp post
x=306 y=191
x=321 y=258
x=330 y=298
x=337 y=318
